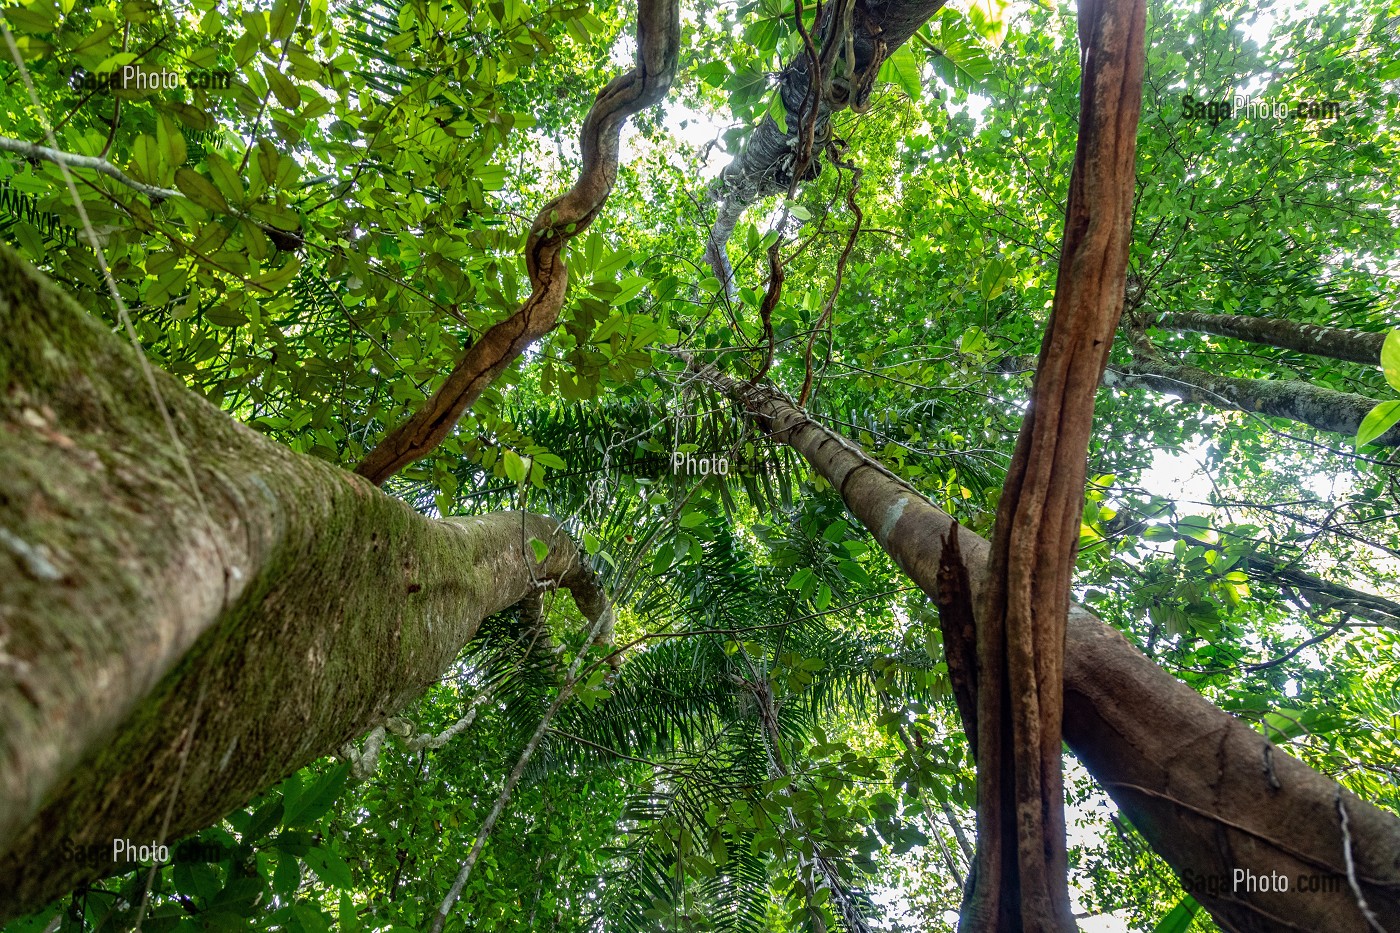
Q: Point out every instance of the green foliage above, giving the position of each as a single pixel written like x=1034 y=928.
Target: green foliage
x=347 y=215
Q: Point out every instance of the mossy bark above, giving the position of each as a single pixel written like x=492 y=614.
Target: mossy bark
x=1316 y=406
x=166 y=656
x=1355 y=346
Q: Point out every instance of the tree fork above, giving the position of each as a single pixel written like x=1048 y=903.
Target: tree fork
x=247 y=634
x=1208 y=792
x=764 y=166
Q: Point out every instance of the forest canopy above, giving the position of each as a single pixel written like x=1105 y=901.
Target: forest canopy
x=510 y=466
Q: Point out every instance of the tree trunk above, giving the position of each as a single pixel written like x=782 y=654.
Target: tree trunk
x=1210 y=795
x=1021 y=878
x=165 y=656
x=1321 y=408
x=1355 y=346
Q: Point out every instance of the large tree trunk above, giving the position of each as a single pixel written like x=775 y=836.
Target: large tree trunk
x=1210 y=794
x=1356 y=346
x=1322 y=408
x=164 y=656
x=1020 y=882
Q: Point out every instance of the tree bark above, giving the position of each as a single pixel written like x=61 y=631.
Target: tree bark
x=165 y=656
x=1319 y=407
x=766 y=164
x=1021 y=880
x=562 y=219
x=1210 y=795
x=1355 y=346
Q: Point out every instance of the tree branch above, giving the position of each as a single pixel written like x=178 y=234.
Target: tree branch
x=562 y=219
x=769 y=161
x=72 y=160
x=1317 y=406
x=1355 y=346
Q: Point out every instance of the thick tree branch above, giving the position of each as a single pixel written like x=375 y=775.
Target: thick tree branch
x=1356 y=346
x=292 y=610
x=1317 y=406
x=562 y=219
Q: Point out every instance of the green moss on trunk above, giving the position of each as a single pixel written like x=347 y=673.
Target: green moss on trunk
x=149 y=635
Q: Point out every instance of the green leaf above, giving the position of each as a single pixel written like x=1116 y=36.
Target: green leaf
x=778 y=112
x=225 y=176
x=540 y=549
x=284 y=18
x=1390 y=359
x=330 y=868
x=309 y=919
x=800 y=578
x=41 y=18
x=400 y=43
x=853 y=572
x=240 y=894
x=92 y=40
x=1380 y=420
x=315 y=801
x=665 y=557
x=170 y=284
x=172 y=142
x=902 y=68
x=278 y=279
x=286 y=877
x=349 y=920
x=514 y=466
x=282 y=88
x=145 y=159
x=266 y=819
x=973 y=339
x=200 y=190
x=29 y=237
